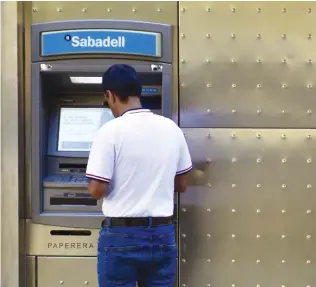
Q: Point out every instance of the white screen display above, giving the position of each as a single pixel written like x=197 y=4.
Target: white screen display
x=78 y=126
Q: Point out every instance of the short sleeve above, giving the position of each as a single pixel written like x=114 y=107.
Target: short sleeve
x=185 y=162
x=102 y=156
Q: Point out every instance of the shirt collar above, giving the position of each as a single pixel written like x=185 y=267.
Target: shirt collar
x=136 y=111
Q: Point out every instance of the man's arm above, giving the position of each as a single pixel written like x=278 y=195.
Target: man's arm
x=101 y=164
x=98 y=189
x=184 y=166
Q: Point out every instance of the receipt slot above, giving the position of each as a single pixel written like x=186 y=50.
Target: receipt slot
x=68 y=60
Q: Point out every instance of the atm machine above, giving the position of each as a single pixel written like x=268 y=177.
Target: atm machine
x=68 y=61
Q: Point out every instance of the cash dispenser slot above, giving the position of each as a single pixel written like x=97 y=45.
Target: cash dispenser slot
x=73 y=201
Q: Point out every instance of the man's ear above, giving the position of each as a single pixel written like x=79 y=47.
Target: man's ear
x=112 y=96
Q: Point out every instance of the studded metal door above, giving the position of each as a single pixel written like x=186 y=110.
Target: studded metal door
x=247 y=107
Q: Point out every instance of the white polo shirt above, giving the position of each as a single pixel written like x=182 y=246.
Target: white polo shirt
x=139 y=154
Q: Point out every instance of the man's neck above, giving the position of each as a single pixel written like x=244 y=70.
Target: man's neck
x=130 y=106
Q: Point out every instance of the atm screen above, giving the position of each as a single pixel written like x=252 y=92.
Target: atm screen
x=78 y=126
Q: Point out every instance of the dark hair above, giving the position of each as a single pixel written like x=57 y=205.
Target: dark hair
x=123 y=81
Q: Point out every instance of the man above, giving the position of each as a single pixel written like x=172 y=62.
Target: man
x=136 y=163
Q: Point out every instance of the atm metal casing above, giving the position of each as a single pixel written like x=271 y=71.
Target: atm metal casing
x=51 y=90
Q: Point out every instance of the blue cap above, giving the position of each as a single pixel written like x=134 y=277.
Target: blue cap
x=122 y=80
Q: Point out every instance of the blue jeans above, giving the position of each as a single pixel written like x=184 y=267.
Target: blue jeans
x=146 y=255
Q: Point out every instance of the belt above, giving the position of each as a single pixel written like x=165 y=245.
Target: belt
x=136 y=221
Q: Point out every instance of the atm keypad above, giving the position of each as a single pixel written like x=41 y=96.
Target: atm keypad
x=78 y=179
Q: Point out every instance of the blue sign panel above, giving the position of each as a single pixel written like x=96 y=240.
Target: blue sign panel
x=101 y=41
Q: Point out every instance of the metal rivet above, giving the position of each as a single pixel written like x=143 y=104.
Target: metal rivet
x=284 y=112
x=258 y=136
x=283 y=236
x=283 y=261
x=309 y=160
x=208 y=210
x=309 y=61
x=258 y=236
x=258 y=36
x=284 y=61
x=233 y=235
x=183 y=85
x=309 y=112
x=182 y=35
x=183 y=10
x=283 y=136
x=283 y=160
x=61 y=282
x=233 y=35
x=183 y=260
x=259 y=160
x=183 y=210
x=208 y=285
x=233 y=136
x=258 y=185
x=183 y=285
x=233 y=210
x=234 y=60
x=34 y=9
x=209 y=184
x=309 y=186
x=308 y=262
x=183 y=235
x=259 y=60
x=258 y=261
x=109 y=10
x=208 y=160
x=259 y=111
x=134 y=10
x=234 y=111
x=86 y=282
x=209 y=136
x=208 y=9
x=284 y=86
x=209 y=110
x=234 y=86
x=234 y=159
x=208 y=260
x=258 y=285
x=208 y=61
x=308 y=236
x=182 y=61
x=309 y=86
x=233 y=186
x=233 y=285
x=259 y=86
x=208 y=85
x=233 y=9
x=159 y=9
x=283 y=185
x=258 y=211
x=308 y=211
x=283 y=211
x=59 y=9
x=208 y=36
x=284 y=10
x=259 y=10
x=309 y=10
x=283 y=36
x=283 y=286
x=309 y=36
x=84 y=10
x=233 y=260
